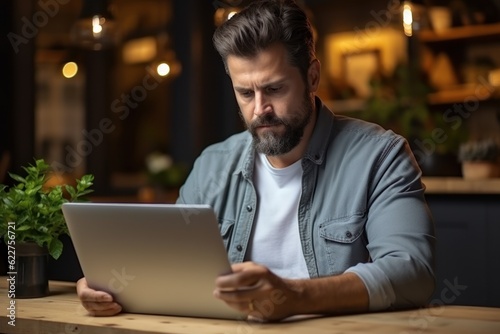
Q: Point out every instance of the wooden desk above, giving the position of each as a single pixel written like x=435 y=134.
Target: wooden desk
x=61 y=313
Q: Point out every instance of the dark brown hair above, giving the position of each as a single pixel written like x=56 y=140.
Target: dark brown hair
x=263 y=23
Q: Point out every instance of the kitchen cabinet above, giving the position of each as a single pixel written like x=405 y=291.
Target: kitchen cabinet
x=467 y=221
x=467 y=263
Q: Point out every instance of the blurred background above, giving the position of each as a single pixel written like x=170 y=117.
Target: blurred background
x=132 y=92
x=148 y=82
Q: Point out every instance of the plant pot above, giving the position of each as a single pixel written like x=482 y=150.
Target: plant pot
x=32 y=278
x=439 y=164
x=477 y=170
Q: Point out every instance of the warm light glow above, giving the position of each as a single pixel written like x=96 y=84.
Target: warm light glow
x=224 y=14
x=407 y=19
x=96 y=25
x=70 y=69
x=139 y=50
x=163 y=69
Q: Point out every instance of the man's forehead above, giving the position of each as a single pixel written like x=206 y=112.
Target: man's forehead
x=270 y=60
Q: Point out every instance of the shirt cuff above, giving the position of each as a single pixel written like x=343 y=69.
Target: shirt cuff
x=380 y=291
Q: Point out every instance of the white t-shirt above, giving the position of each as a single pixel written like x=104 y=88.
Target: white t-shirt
x=275 y=240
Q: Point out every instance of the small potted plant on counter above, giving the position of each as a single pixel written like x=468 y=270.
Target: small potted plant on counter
x=480 y=159
x=31 y=222
x=164 y=177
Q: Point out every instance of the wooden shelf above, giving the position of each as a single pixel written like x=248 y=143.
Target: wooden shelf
x=476 y=32
x=458 y=185
x=463 y=93
x=458 y=94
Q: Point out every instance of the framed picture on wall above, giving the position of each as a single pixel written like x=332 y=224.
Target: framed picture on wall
x=359 y=67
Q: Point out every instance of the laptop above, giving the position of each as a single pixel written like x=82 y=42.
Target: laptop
x=153 y=258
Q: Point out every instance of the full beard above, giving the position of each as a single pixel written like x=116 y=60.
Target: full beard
x=272 y=143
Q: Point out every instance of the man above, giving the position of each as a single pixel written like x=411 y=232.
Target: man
x=320 y=214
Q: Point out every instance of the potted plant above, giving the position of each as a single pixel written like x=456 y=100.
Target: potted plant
x=31 y=222
x=480 y=159
x=399 y=102
x=164 y=178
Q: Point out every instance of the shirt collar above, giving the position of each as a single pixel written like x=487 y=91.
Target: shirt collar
x=318 y=143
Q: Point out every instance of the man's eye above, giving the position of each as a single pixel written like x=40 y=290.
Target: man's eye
x=273 y=89
x=246 y=93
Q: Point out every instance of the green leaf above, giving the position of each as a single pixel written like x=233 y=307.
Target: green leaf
x=17 y=178
x=85 y=192
x=22 y=228
x=55 y=248
x=71 y=191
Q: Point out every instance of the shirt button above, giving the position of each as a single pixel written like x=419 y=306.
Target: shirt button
x=348 y=234
x=249 y=208
x=239 y=248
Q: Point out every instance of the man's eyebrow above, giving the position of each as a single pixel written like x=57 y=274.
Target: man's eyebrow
x=241 y=89
x=265 y=85
x=275 y=83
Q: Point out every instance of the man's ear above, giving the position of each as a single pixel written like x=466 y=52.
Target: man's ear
x=313 y=75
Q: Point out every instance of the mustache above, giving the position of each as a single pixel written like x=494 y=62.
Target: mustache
x=267 y=120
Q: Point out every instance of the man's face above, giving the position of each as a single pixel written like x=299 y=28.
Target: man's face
x=273 y=98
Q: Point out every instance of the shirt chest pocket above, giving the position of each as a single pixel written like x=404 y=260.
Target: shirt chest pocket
x=342 y=243
x=226 y=228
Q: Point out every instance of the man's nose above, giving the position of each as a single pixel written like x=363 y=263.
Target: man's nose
x=262 y=105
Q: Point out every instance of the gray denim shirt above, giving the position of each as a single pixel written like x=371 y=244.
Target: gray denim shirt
x=362 y=207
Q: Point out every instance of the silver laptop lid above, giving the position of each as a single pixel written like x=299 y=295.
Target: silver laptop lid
x=153 y=258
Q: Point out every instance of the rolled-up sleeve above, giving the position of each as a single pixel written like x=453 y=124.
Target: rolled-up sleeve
x=400 y=234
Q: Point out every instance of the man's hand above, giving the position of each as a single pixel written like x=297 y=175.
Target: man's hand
x=255 y=290
x=97 y=303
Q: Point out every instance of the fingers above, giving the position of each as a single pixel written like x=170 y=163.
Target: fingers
x=90 y=295
x=97 y=303
x=245 y=276
x=254 y=290
x=241 y=306
x=247 y=282
x=102 y=309
x=245 y=266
